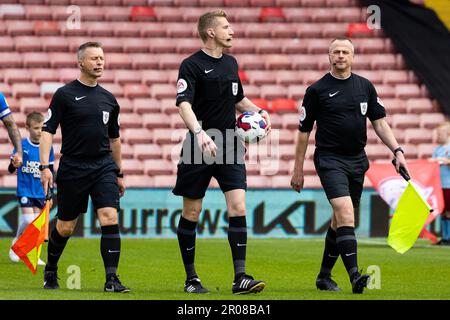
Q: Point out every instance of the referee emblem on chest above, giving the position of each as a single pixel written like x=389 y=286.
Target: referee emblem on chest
x=363 y=106
x=234 y=87
x=105 y=117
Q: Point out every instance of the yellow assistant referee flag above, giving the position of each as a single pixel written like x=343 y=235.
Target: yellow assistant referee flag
x=409 y=218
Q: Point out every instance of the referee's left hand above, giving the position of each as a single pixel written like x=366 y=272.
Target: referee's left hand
x=400 y=161
x=266 y=117
x=121 y=184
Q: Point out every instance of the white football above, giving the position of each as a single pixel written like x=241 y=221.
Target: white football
x=250 y=127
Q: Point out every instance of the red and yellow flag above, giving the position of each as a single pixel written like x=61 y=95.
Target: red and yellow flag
x=28 y=246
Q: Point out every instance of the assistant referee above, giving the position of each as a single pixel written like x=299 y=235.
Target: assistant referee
x=90 y=164
x=340 y=102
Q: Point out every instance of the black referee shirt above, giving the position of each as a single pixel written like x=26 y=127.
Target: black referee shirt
x=340 y=108
x=89 y=117
x=212 y=86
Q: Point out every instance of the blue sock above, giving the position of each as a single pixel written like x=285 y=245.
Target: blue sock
x=445 y=226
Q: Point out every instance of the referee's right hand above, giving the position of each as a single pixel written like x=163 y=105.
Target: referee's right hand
x=206 y=144
x=46 y=179
x=297 y=180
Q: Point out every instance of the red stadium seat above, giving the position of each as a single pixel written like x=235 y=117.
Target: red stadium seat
x=27 y=43
x=284 y=105
x=369 y=45
x=49 y=88
x=277 y=62
x=323 y=15
x=61 y=60
x=383 y=61
x=353 y=14
x=258 y=182
x=136 y=91
x=272 y=14
x=138 y=181
x=312 y=182
x=164 y=181
x=418 y=135
x=141 y=61
x=168 y=136
x=46 y=28
x=358 y=29
x=296 y=92
x=99 y=28
x=28 y=105
x=259 y=78
x=12 y=12
x=36 y=60
x=116 y=89
x=130 y=120
x=186 y=46
x=125 y=104
x=121 y=13
x=333 y=30
x=17 y=75
x=53 y=44
x=6 y=43
x=271 y=92
x=404 y=121
x=123 y=77
x=377 y=151
x=146 y=105
x=147 y=151
x=155 y=167
x=168 y=14
x=281 y=182
x=22 y=90
x=419 y=105
x=132 y=166
x=155 y=120
x=37 y=12
x=133 y=30
x=431 y=120
x=162 y=91
x=172 y=152
x=137 y=136
x=143 y=14
x=268 y=46
x=407 y=91
x=393 y=106
x=262 y=103
x=290 y=120
x=250 y=62
x=425 y=150
x=298 y=15
x=307 y=61
x=374 y=76
x=291 y=46
x=287 y=77
x=279 y=30
x=243 y=76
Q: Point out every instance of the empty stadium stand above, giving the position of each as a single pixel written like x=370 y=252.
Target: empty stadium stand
x=281 y=47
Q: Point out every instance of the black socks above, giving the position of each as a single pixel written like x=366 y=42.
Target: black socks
x=186 y=240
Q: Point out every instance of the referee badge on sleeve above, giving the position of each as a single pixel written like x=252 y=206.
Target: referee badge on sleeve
x=234 y=87
x=363 y=106
x=105 y=117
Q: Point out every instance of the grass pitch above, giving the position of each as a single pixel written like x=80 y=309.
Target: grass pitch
x=153 y=269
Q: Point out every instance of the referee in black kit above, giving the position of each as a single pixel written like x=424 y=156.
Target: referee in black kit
x=90 y=163
x=209 y=93
x=340 y=102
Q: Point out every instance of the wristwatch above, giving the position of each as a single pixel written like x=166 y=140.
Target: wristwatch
x=197 y=130
x=397 y=150
x=42 y=167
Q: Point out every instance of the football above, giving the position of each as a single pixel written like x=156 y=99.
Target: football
x=250 y=127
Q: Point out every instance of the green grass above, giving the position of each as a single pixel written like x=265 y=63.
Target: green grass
x=152 y=268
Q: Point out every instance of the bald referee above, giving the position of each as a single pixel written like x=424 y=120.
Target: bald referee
x=341 y=102
x=90 y=164
x=209 y=93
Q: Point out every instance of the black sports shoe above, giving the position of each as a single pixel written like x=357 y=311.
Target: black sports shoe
x=327 y=284
x=246 y=284
x=194 y=286
x=51 y=279
x=360 y=282
x=113 y=284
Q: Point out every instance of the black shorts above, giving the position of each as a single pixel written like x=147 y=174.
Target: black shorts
x=78 y=179
x=193 y=179
x=195 y=170
x=341 y=175
x=27 y=202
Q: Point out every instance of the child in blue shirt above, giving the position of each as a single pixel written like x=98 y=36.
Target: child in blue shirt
x=30 y=193
x=442 y=155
